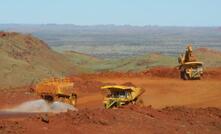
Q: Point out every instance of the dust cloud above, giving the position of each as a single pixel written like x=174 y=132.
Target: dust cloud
x=41 y=106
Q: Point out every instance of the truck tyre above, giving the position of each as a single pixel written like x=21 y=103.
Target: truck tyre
x=185 y=76
x=182 y=75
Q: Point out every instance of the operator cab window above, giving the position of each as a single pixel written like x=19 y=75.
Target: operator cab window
x=119 y=94
x=122 y=94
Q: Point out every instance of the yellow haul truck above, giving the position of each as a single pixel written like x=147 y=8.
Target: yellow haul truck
x=57 y=89
x=117 y=95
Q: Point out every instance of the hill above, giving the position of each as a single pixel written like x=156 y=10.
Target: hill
x=88 y=64
x=132 y=64
x=24 y=58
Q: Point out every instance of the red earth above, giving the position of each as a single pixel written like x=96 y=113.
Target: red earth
x=171 y=106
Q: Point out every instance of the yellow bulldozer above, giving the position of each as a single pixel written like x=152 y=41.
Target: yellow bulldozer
x=189 y=67
x=57 y=89
x=118 y=95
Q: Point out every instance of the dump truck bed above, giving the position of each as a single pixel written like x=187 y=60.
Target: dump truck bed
x=55 y=86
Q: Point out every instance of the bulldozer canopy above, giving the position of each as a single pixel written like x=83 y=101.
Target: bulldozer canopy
x=193 y=63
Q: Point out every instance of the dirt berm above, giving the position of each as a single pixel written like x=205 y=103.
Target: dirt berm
x=130 y=120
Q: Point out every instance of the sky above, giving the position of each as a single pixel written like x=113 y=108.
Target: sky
x=118 y=12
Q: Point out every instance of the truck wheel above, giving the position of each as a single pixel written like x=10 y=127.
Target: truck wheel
x=185 y=76
x=105 y=106
x=134 y=101
x=73 y=99
x=182 y=75
x=48 y=98
x=73 y=102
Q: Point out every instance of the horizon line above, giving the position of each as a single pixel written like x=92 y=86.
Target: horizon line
x=130 y=25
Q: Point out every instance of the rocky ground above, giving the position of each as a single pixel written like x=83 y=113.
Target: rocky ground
x=171 y=106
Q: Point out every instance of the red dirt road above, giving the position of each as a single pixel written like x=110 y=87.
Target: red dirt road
x=161 y=92
x=190 y=108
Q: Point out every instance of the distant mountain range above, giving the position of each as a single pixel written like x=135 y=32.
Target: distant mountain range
x=111 y=41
